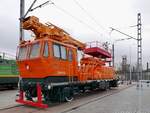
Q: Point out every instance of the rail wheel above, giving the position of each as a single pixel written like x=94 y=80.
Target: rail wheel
x=69 y=99
x=28 y=95
x=68 y=94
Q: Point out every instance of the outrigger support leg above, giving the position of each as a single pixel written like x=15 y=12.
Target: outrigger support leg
x=39 y=102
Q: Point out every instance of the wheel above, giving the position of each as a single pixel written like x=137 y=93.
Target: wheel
x=68 y=94
x=69 y=99
x=82 y=89
x=28 y=95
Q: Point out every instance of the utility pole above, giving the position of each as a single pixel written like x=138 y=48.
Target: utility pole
x=124 y=67
x=139 y=47
x=147 y=66
x=113 y=55
x=22 y=11
x=130 y=66
x=23 y=14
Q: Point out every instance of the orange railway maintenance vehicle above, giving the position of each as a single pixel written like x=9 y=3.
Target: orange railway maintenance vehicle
x=50 y=70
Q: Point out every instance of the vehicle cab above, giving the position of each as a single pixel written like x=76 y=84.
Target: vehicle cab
x=47 y=59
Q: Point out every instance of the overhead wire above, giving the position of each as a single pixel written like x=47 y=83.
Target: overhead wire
x=90 y=16
x=77 y=19
x=42 y=5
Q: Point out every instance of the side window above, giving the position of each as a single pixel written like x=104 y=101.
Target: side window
x=63 y=52
x=79 y=56
x=46 y=50
x=59 y=51
x=35 y=50
x=56 y=50
x=70 y=55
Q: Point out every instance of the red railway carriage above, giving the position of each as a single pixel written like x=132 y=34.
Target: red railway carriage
x=50 y=69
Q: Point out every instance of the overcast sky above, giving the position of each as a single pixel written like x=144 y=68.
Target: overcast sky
x=68 y=15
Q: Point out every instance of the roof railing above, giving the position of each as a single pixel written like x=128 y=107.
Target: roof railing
x=104 y=46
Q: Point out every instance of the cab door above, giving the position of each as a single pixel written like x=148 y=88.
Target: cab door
x=60 y=61
x=72 y=65
x=64 y=60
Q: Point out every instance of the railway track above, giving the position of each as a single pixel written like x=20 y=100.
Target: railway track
x=94 y=96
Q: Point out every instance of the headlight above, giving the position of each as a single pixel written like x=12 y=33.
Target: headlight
x=49 y=86
x=27 y=67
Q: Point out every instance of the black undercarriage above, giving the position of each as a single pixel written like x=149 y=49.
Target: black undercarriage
x=59 y=89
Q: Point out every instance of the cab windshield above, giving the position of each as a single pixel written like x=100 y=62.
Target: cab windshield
x=35 y=50
x=22 y=53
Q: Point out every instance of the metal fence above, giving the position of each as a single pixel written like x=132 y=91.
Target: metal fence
x=134 y=75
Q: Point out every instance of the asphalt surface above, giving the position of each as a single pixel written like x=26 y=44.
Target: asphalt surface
x=7 y=98
x=131 y=100
x=125 y=99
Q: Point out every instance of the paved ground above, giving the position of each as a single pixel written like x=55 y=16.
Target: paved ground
x=130 y=100
x=7 y=98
